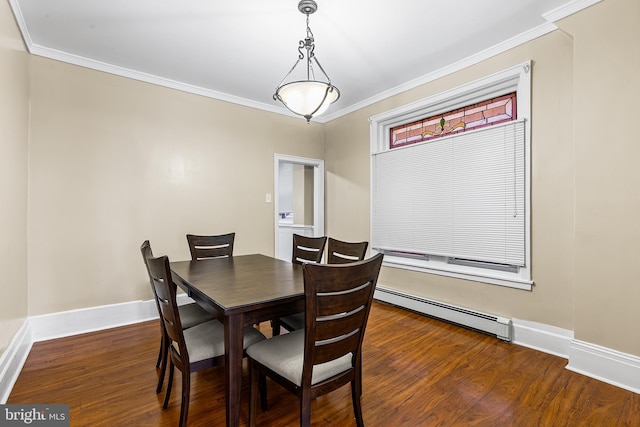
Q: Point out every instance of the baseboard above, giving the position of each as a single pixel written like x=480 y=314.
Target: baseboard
x=67 y=323
x=606 y=365
x=610 y=366
x=74 y=322
x=13 y=359
x=603 y=364
x=541 y=337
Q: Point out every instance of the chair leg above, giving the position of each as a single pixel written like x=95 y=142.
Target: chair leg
x=186 y=391
x=160 y=352
x=262 y=386
x=163 y=368
x=356 y=392
x=305 y=409
x=169 y=384
x=253 y=394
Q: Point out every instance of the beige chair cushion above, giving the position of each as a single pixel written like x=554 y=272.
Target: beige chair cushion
x=284 y=354
x=192 y=314
x=206 y=340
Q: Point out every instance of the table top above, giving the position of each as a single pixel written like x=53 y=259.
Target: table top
x=241 y=283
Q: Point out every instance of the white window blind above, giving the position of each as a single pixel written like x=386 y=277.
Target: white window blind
x=461 y=196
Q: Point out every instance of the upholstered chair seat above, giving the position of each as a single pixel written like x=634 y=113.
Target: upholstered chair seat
x=206 y=340
x=284 y=355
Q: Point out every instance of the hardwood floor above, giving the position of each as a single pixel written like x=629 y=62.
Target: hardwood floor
x=417 y=371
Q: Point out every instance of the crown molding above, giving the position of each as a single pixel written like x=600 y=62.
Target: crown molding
x=549 y=26
x=145 y=77
x=495 y=50
x=568 y=9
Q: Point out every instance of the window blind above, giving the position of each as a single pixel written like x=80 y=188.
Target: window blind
x=461 y=196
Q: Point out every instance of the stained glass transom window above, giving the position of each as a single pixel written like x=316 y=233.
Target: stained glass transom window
x=486 y=113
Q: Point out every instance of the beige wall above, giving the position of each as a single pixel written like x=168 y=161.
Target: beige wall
x=14 y=133
x=585 y=204
x=114 y=161
x=607 y=149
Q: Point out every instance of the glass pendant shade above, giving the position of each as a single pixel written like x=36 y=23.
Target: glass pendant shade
x=307 y=98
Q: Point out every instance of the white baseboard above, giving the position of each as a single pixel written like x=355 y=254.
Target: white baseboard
x=541 y=337
x=13 y=359
x=613 y=367
x=74 y=322
x=610 y=366
x=603 y=364
x=66 y=323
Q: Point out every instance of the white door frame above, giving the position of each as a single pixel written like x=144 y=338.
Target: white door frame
x=318 y=192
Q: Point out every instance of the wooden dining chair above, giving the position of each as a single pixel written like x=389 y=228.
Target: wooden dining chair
x=190 y=315
x=190 y=350
x=305 y=249
x=338 y=252
x=327 y=353
x=211 y=246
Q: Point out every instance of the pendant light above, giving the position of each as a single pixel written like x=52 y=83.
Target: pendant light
x=308 y=98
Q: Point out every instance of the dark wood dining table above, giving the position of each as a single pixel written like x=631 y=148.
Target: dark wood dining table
x=241 y=290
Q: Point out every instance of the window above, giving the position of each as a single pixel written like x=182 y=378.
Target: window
x=450 y=182
x=474 y=116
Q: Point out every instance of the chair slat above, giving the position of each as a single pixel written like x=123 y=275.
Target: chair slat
x=328 y=329
x=332 y=304
x=327 y=352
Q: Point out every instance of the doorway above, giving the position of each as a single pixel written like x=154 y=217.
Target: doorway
x=298 y=200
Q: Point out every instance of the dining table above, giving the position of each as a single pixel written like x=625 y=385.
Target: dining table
x=240 y=291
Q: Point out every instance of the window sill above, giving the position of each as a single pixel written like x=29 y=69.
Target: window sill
x=511 y=280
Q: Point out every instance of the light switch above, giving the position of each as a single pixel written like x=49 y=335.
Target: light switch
x=267 y=198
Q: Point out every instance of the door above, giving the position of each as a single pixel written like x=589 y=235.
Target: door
x=298 y=200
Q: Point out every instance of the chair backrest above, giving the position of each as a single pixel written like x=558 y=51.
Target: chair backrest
x=338 y=300
x=339 y=252
x=147 y=253
x=211 y=246
x=307 y=249
x=165 y=290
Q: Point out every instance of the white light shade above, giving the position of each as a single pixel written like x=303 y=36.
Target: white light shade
x=304 y=97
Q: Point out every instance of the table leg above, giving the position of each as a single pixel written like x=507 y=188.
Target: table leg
x=233 y=338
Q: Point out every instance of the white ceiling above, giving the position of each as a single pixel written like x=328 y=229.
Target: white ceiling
x=239 y=51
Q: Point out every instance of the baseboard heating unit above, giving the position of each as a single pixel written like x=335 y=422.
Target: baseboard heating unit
x=488 y=323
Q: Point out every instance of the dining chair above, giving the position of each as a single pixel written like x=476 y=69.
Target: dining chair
x=327 y=353
x=338 y=252
x=211 y=246
x=305 y=249
x=190 y=314
x=199 y=347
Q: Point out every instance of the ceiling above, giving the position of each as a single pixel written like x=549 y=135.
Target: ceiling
x=239 y=51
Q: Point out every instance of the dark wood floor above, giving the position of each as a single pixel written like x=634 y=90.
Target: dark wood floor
x=417 y=372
